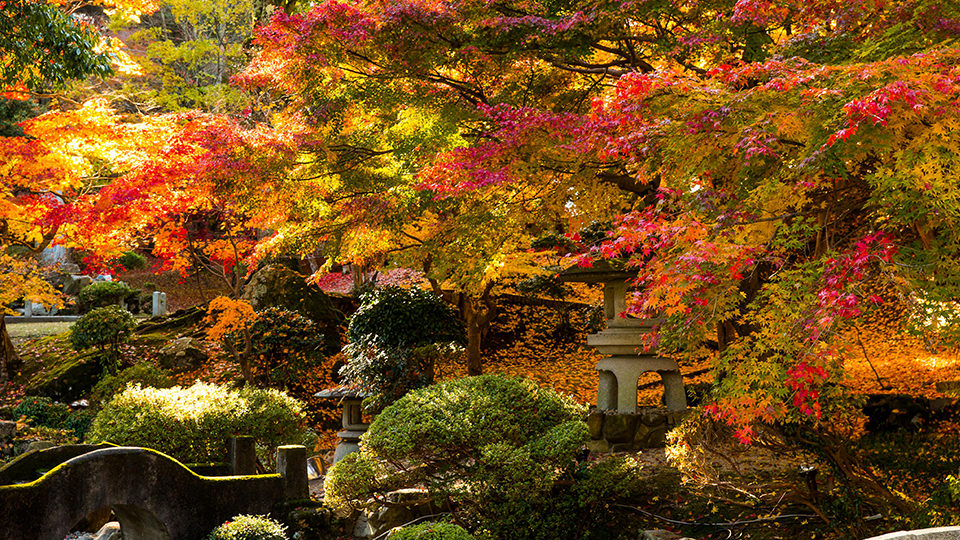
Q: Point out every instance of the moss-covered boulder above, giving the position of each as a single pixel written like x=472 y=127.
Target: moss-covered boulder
x=66 y=378
x=279 y=286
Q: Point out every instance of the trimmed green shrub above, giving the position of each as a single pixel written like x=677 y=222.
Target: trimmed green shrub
x=247 y=527
x=397 y=336
x=145 y=374
x=502 y=450
x=285 y=346
x=404 y=318
x=105 y=328
x=104 y=293
x=43 y=412
x=194 y=424
x=430 y=531
x=131 y=260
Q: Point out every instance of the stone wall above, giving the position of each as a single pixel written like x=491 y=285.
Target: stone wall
x=153 y=496
x=612 y=431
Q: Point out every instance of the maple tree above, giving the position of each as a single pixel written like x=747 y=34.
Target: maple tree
x=758 y=162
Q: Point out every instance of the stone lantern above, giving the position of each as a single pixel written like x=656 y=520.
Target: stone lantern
x=351 y=398
x=622 y=343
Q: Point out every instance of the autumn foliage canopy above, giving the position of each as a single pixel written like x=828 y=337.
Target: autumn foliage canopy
x=757 y=162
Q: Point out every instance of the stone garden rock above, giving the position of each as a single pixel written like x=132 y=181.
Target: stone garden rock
x=7 y=430
x=279 y=286
x=619 y=428
x=36 y=446
x=110 y=531
x=402 y=507
x=69 y=379
x=72 y=285
x=936 y=533
x=653 y=417
x=595 y=425
x=182 y=354
x=598 y=446
x=659 y=534
x=650 y=437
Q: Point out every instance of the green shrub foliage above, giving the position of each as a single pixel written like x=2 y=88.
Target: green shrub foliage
x=43 y=412
x=144 y=374
x=132 y=260
x=194 y=424
x=396 y=338
x=104 y=293
x=285 y=346
x=404 y=318
x=247 y=527
x=430 y=531
x=502 y=450
x=105 y=328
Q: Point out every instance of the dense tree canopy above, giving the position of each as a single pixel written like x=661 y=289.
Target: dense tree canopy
x=757 y=162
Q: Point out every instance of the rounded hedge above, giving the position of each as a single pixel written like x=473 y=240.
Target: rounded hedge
x=397 y=336
x=430 y=531
x=502 y=452
x=131 y=260
x=144 y=373
x=248 y=527
x=193 y=424
x=404 y=318
x=104 y=328
x=104 y=293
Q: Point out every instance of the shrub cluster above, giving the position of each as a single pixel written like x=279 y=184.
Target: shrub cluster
x=105 y=328
x=43 y=412
x=144 y=374
x=131 y=260
x=397 y=336
x=104 y=293
x=247 y=527
x=194 y=424
x=285 y=346
x=430 y=531
x=502 y=450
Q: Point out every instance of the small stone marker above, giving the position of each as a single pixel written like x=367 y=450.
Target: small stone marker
x=159 y=304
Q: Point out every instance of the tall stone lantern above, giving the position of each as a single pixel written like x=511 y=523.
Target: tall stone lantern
x=622 y=343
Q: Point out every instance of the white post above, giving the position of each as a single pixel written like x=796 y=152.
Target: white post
x=27 y=307
x=159 y=303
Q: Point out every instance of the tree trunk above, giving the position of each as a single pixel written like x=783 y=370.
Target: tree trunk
x=9 y=359
x=730 y=330
x=477 y=313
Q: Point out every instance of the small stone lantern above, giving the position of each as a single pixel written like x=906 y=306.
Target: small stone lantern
x=351 y=398
x=623 y=343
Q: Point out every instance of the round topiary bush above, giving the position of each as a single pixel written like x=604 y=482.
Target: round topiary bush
x=285 y=346
x=144 y=374
x=104 y=293
x=194 y=424
x=404 y=318
x=105 y=328
x=502 y=451
x=131 y=260
x=430 y=531
x=247 y=527
x=397 y=336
